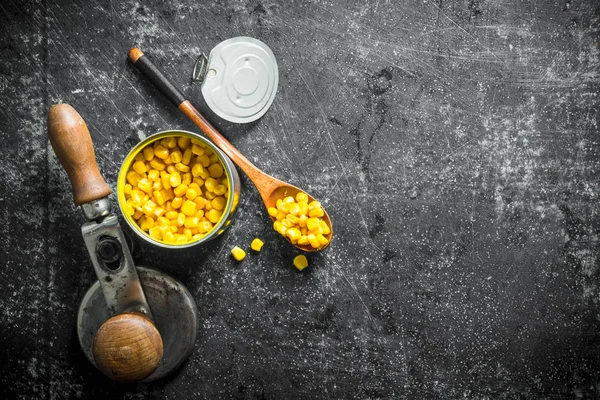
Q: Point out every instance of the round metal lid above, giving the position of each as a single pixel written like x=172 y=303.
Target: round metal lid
x=241 y=79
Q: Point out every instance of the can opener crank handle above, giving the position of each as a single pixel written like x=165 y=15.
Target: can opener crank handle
x=127 y=347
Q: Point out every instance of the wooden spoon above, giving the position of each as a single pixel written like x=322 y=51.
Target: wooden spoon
x=270 y=189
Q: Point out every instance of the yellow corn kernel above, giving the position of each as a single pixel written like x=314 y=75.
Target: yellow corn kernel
x=204 y=160
x=138 y=157
x=302 y=220
x=180 y=239
x=191 y=193
x=272 y=211
x=324 y=227
x=200 y=202
x=210 y=184
x=148 y=153
x=300 y=262
x=175 y=179
x=171 y=214
x=198 y=181
x=146 y=224
x=199 y=214
x=188 y=208
x=139 y=167
x=168 y=237
x=216 y=170
x=293 y=209
x=179 y=221
x=127 y=188
x=187 y=178
x=303 y=241
x=281 y=205
x=148 y=207
x=169 y=142
x=289 y=200
x=180 y=190
x=277 y=226
x=183 y=142
x=220 y=190
x=301 y=196
x=153 y=175
x=171 y=169
x=159 y=198
x=322 y=240
x=213 y=215
x=238 y=253
x=204 y=174
x=287 y=223
x=208 y=151
x=197 y=169
x=293 y=234
x=182 y=167
x=145 y=185
x=129 y=210
x=137 y=214
x=218 y=203
x=187 y=156
x=176 y=202
x=280 y=216
x=256 y=244
x=176 y=156
x=316 y=212
x=157 y=185
x=292 y=218
x=191 y=222
x=197 y=149
x=207 y=205
x=133 y=178
x=174 y=229
x=163 y=221
x=161 y=152
x=155 y=233
x=312 y=224
x=314 y=242
x=303 y=208
x=157 y=164
x=205 y=226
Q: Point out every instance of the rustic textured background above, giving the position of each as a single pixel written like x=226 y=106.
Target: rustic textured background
x=455 y=144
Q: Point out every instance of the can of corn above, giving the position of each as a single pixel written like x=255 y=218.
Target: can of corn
x=176 y=189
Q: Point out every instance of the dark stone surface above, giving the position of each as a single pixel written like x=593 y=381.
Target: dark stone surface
x=454 y=144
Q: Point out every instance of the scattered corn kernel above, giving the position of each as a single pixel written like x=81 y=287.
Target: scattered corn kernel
x=300 y=262
x=238 y=253
x=256 y=244
x=176 y=190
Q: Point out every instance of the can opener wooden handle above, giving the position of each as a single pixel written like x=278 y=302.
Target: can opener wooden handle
x=127 y=347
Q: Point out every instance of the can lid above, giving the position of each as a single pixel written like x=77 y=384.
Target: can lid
x=241 y=79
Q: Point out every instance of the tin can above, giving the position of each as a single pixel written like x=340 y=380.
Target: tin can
x=230 y=173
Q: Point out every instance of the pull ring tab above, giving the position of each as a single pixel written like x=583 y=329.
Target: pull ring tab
x=200 y=68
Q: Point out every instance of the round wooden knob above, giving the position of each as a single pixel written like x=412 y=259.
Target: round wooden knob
x=128 y=347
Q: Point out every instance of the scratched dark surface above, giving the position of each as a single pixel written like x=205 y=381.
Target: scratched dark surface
x=454 y=144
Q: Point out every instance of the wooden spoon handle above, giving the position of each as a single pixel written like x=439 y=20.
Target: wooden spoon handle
x=263 y=182
x=72 y=143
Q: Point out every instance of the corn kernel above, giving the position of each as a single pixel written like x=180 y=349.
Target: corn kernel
x=200 y=202
x=180 y=190
x=176 y=156
x=191 y=193
x=316 y=212
x=127 y=188
x=155 y=233
x=191 y=222
x=157 y=164
x=322 y=240
x=163 y=221
x=182 y=167
x=220 y=189
x=218 y=203
x=183 y=142
x=139 y=167
x=187 y=178
x=153 y=174
x=171 y=214
x=161 y=152
x=301 y=196
x=213 y=215
x=314 y=242
x=175 y=179
x=293 y=234
x=204 y=160
x=168 y=237
x=169 y=142
x=180 y=220
x=256 y=244
x=177 y=202
x=210 y=184
x=148 y=153
x=300 y=262
x=188 y=208
x=272 y=211
x=216 y=170
x=133 y=178
x=238 y=253
x=303 y=241
x=187 y=156
x=197 y=150
x=205 y=226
